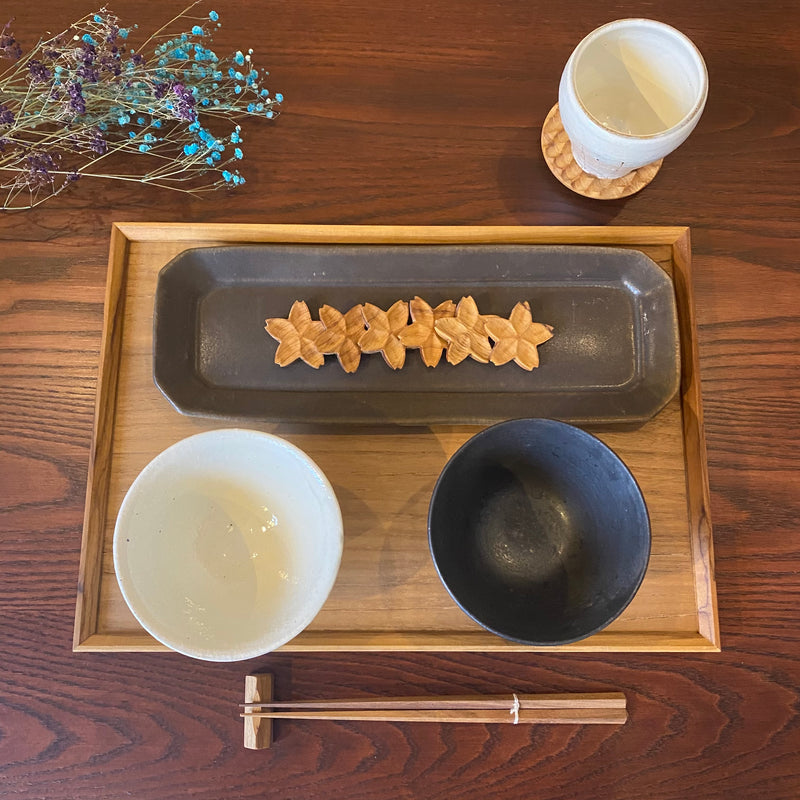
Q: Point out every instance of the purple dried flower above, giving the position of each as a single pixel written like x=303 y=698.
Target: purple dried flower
x=72 y=177
x=184 y=108
x=9 y=46
x=39 y=72
x=54 y=48
x=97 y=143
x=77 y=104
x=87 y=53
x=39 y=165
x=160 y=90
x=6 y=115
x=109 y=62
x=87 y=73
x=137 y=59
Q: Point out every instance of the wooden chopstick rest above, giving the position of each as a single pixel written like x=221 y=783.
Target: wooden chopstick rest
x=605 y=708
x=257 y=732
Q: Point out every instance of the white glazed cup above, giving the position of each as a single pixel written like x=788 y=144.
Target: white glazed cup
x=632 y=91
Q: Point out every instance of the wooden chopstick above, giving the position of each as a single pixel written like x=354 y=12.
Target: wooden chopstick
x=456 y=702
x=542 y=716
x=601 y=708
x=607 y=708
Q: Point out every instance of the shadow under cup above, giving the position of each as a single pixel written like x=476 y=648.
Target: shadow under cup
x=632 y=91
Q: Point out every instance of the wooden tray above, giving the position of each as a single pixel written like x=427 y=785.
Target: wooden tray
x=387 y=595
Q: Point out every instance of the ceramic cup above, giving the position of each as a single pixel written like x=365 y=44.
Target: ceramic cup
x=632 y=91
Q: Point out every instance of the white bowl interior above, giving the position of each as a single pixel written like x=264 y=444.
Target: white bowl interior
x=638 y=77
x=227 y=544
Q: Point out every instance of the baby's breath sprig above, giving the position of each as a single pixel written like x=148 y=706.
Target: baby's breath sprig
x=87 y=103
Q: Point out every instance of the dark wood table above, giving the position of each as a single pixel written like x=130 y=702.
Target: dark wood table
x=424 y=113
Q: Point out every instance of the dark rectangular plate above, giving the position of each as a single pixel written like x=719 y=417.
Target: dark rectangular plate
x=613 y=358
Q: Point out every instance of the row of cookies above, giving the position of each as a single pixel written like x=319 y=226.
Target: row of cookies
x=460 y=330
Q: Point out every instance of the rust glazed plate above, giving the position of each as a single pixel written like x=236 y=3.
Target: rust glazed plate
x=613 y=359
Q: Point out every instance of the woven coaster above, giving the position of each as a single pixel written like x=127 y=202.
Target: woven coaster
x=557 y=152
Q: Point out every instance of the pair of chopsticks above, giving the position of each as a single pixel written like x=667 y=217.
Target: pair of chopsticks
x=575 y=709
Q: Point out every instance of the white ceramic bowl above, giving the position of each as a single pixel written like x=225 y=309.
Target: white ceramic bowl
x=227 y=544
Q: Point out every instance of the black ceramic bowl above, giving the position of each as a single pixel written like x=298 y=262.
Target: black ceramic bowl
x=539 y=531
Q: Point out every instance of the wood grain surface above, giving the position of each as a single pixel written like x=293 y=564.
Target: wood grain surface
x=424 y=113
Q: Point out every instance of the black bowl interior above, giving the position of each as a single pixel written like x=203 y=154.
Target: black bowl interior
x=539 y=531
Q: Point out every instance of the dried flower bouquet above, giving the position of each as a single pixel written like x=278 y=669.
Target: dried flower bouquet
x=87 y=103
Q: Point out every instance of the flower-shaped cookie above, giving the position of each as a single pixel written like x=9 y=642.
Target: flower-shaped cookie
x=341 y=335
x=297 y=336
x=517 y=337
x=382 y=332
x=465 y=333
x=421 y=334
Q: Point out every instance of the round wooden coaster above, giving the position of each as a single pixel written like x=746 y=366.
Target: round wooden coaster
x=557 y=152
